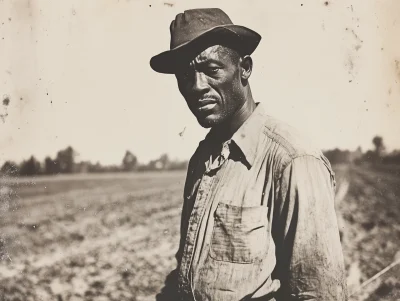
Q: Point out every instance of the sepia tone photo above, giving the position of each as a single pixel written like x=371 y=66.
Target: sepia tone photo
x=199 y=150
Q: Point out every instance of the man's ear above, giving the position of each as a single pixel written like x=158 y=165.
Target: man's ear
x=246 y=64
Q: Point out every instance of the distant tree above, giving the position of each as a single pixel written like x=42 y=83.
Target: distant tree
x=82 y=167
x=370 y=156
x=338 y=156
x=95 y=167
x=392 y=158
x=129 y=162
x=152 y=165
x=379 y=146
x=51 y=166
x=30 y=167
x=66 y=160
x=164 y=160
x=357 y=155
x=178 y=165
x=10 y=168
x=161 y=163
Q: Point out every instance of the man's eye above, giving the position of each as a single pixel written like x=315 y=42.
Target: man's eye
x=213 y=70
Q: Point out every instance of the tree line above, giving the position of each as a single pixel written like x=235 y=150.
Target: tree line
x=376 y=156
x=64 y=163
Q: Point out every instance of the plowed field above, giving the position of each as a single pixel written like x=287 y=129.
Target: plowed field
x=113 y=236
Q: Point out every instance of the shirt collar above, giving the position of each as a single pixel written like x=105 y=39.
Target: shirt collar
x=247 y=136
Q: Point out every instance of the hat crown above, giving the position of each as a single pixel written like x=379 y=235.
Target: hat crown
x=192 y=23
x=194 y=30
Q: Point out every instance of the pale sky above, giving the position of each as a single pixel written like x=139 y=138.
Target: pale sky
x=77 y=73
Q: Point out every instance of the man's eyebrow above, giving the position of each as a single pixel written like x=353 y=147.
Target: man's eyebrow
x=208 y=61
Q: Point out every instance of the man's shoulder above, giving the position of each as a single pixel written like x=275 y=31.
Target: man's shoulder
x=289 y=142
x=284 y=144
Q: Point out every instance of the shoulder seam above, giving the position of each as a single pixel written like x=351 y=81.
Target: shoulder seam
x=290 y=151
x=268 y=131
x=299 y=156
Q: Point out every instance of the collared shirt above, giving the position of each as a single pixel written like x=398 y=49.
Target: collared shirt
x=259 y=220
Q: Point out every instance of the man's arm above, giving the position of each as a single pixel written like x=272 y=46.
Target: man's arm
x=309 y=255
x=170 y=290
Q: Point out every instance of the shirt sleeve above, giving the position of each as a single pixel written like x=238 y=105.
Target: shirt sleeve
x=309 y=255
x=170 y=291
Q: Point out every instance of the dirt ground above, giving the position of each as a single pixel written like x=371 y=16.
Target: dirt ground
x=369 y=214
x=113 y=237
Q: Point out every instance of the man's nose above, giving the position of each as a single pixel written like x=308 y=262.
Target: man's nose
x=199 y=82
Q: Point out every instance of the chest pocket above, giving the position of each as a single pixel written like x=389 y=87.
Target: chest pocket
x=240 y=234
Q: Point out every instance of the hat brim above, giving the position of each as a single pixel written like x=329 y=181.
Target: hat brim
x=239 y=38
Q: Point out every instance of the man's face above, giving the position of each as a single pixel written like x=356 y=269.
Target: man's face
x=211 y=85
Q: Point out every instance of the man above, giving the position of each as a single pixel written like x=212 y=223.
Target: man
x=258 y=219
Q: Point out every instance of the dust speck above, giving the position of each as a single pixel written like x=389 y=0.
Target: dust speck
x=183 y=131
x=354 y=34
x=6 y=101
x=3 y=117
x=397 y=67
x=169 y=4
x=350 y=64
x=326 y=3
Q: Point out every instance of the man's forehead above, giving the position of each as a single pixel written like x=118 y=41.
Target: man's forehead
x=216 y=52
x=210 y=52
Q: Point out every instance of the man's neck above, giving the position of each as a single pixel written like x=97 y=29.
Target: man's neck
x=226 y=130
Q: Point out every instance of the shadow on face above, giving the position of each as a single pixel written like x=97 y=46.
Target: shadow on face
x=212 y=84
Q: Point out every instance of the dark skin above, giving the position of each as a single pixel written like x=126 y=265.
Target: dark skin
x=216 y=89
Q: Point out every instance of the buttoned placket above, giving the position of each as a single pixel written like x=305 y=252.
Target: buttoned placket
x=202 y=199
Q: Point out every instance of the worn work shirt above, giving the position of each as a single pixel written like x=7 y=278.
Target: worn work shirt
x=258 y=222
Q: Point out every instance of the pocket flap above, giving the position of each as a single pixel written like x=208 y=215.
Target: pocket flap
x=232 y=215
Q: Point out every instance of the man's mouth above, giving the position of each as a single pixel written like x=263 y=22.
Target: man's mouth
x=206 y=105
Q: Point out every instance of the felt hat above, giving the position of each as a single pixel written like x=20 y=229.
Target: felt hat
x=197 y=29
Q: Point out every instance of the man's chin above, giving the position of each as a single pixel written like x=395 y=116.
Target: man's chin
x=209 y=121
